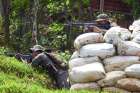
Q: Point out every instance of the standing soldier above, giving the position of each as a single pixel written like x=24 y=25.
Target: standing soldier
x=103 y=23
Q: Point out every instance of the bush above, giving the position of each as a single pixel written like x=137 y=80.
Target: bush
x=64 y=56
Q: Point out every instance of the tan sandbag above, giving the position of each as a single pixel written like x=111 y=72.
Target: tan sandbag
x=85 y=86
x=130 y=84
x=119 y=63
x=102 y=50
x=133 y=71
x=111 y=78
x=112 y=35
x=114 y=90
x=87 y=38
x=128 y=48
x=82 y=61
x=87 y=73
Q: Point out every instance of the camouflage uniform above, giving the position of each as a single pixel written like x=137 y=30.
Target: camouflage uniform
x=54 y=67
x=102 y=24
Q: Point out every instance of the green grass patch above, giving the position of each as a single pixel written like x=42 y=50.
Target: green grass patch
x=18 y=77
x=24 y=71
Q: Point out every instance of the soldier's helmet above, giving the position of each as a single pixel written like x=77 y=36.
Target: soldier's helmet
x=37 y=48
x=102 y=17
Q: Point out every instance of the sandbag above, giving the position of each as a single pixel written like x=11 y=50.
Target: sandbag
x=102 y=50
x=87 y=38
x=74 y=55
x=128 y=48
x=136 y=31
x=85 y=86
x=114 y=90
x=135 y=24
x=136 y=39
x=130 y=84
x=119 y=62
x=82 y=61
x=133 y=71
x=112 y=35
x=111 y=78
x=87 y=73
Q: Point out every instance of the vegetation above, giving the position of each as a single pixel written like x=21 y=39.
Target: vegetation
x=18 y=77
x=47 y=21
x=51 y=16
x=135 y=7
x=24 y=23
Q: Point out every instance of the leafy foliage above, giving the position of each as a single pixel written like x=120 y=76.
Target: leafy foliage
x=135 y=7
x=64 y=56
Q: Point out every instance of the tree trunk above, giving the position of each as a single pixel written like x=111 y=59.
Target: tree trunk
x=6 y=22
x=35 y=26
x=0 y=7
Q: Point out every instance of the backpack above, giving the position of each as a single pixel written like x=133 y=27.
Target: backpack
x=61 y=72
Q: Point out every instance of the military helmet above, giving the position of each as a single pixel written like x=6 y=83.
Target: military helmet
x=37 y=48
x=102 y=17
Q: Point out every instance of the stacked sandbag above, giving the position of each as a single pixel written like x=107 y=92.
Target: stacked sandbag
x=128 y=48
x=114 y=33
x=111 y=63
x=130 y=84
x=135 y=27
x=91 y=86
x=87 y=73
x=87 y=38
x=133 y=71
x=82 y=61
x=119 y=63
x=102 y=50
x=111 y=78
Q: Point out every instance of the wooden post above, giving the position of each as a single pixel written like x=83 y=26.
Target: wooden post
x=101 y=6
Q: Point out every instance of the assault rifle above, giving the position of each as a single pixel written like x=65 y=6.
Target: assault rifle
x=85 y=25
x=24 y=58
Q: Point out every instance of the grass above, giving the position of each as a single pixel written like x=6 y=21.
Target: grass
x=17 y=77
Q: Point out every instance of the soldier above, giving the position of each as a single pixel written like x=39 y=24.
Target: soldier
x=102 y=23
x=56 y=69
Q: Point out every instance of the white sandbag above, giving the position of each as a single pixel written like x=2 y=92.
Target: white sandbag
x=85 y=86
x=82 y=61
x=74 y=55
x=114 y=90
x=136 y=39
x=133 y=71
x=87 y=73
x=119 y=62
x=101 y=50
x=130 y=84
x=135 y=24
x=114 y=33
x=87 y=38
x=111 y=78
x=136 y=31
x=128 y=48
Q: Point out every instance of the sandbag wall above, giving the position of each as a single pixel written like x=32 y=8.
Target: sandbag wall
x=109 y=62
